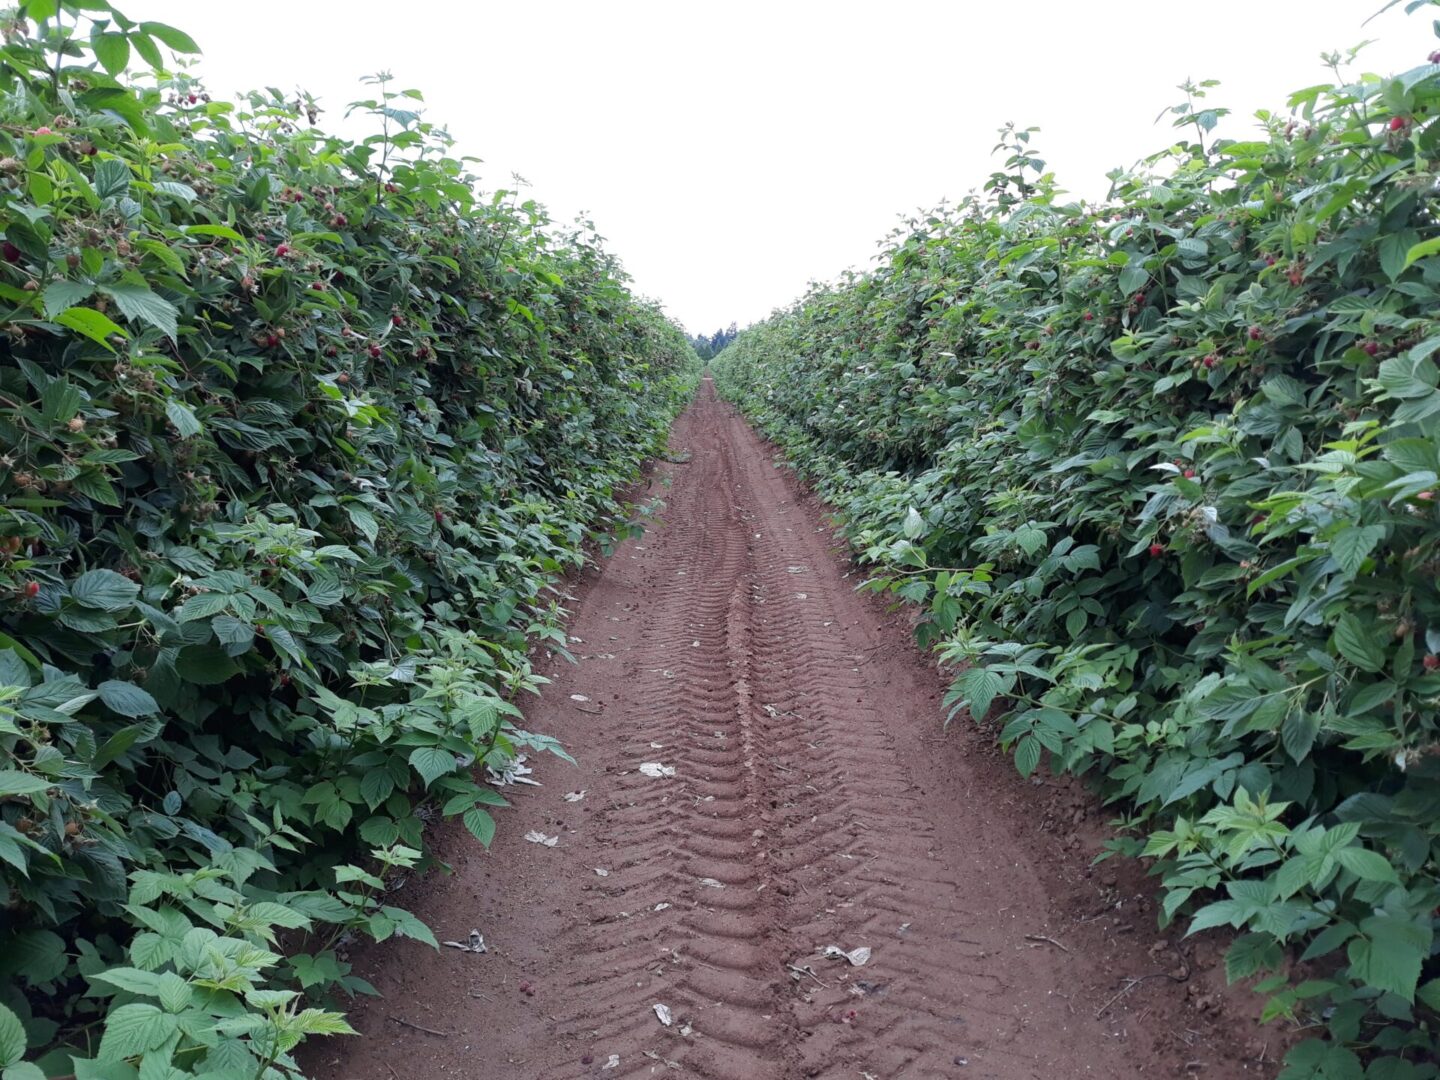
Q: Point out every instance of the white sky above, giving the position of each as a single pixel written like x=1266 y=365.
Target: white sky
x=732 y=152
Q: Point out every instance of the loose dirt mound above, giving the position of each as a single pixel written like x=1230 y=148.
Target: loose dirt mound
x=813 y=802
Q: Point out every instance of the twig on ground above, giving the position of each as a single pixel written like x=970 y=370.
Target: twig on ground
x=806 y=971
x=417 y=1027
x=1043 y=937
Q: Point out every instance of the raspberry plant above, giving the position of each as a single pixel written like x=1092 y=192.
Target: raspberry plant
x=296 y=434
x=1164 y=472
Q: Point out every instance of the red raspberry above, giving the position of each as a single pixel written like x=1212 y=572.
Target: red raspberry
x=1156 y=550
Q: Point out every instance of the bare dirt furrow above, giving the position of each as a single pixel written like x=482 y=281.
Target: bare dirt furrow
x=813 y=802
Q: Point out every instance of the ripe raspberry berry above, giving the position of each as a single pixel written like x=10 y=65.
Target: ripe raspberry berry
x=1209 y=361
x=43 y=131
x=1255 y=332
x=396 y=320
x=32 y=590
x=1189 y=474
x=1431 y=662
x=375 y=351
x=272 y=341
x=318 y=286
x=1156 y=550
x=281 y=250
x=1370 y=348
x=1088 y=317
x=1398 y=123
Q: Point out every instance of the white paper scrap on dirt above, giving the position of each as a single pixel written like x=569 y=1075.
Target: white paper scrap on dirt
x=578 y=697
x=662 y=1012
x=661 y=906
x=654 y=768
x=537 y=837
x=600 y=871
x=857 y=957
x=476 y=944
x=574 y=796
x=711 y=883
x=517 y=772
x=612 y=1062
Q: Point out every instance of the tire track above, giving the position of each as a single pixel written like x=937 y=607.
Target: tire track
x=728 y=644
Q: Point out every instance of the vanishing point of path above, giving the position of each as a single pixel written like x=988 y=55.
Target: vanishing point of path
x=809 y=806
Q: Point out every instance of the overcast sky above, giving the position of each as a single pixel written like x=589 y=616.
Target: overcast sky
x=733 y=152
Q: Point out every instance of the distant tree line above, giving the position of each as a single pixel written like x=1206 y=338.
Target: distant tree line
x=709 y=347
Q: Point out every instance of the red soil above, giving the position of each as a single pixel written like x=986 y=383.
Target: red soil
x=816 y=800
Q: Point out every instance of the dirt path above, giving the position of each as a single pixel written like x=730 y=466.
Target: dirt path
x=809 y=806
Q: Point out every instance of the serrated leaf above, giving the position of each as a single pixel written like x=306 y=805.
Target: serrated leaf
x=112 y=50
x=98 y=328
x=1298 y=732
x=127 y=699
x=104 y=590
x=133 y=1029
x=1250 y=953
x=1353 y=544
x=133 y=980
x=182 y=418
x=1366 y=864
x=60 y=295
x=480 y=824
x=139 y=304
x=1027 y=755
x=1357 y=645
x=376 y=786
x=431 y=763
x=12 y=1038
x=178 y=40
x=1388 y=954
x=13 y=782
